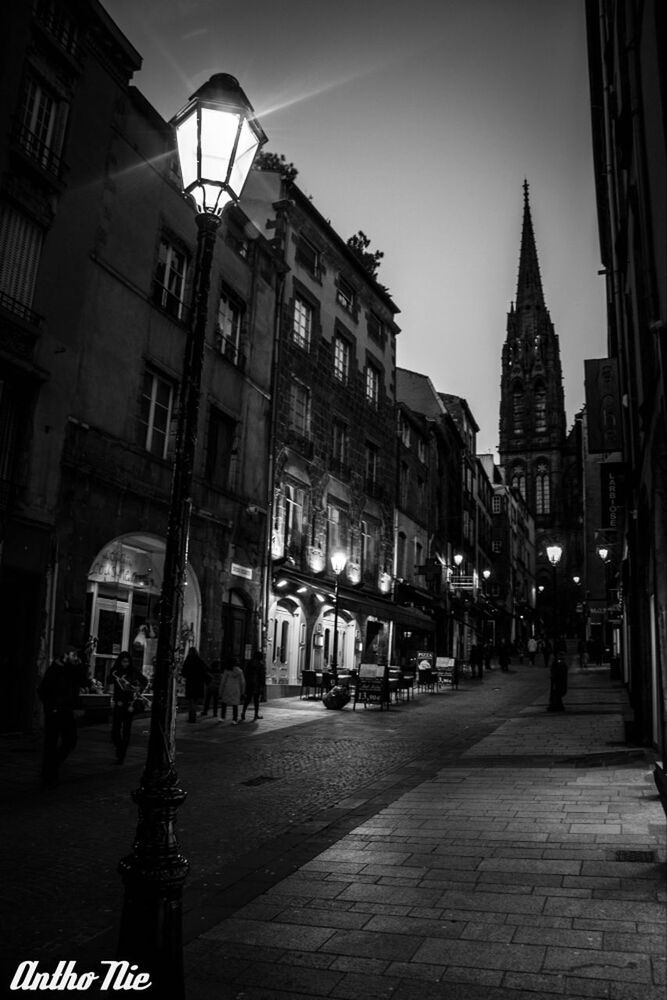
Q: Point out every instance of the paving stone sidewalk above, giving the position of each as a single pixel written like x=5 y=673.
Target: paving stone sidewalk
x=532 y=866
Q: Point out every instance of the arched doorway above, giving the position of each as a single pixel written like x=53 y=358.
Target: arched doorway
x=323 y=641
x=286 y=642
x=124 y=585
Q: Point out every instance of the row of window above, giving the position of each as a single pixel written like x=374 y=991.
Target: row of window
x=155 y=420
x=303 y=315
x=310 y=258
x=291 y=531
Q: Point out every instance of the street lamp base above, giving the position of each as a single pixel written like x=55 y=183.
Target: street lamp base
x=153 y=876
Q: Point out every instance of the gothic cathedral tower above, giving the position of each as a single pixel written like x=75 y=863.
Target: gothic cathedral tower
x=532 y=407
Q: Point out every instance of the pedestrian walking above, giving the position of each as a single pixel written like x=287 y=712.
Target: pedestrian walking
x=547 y=650
x=129 y=682
x=503 y=656
x=59 y=692
x=532 y=650
x=195 y=673
x=232 y=689
x=212 y=695
x=476 y=661
x=255 y=679
x=583 y=654
x=558 y=686
x=488 y=655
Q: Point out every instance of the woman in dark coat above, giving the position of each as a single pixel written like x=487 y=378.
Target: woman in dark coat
x=196 y=676
x=128 y=683
x=255 y=679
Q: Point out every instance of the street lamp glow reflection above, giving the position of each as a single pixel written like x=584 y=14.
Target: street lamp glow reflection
x=554 y=553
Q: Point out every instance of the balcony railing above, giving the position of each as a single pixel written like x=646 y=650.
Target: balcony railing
x=19 y=309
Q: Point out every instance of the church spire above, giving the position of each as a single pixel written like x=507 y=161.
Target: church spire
x=529 y=284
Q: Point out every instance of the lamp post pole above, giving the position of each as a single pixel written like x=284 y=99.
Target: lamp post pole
x=554 y=553
x=154 y=872
x=338 y=561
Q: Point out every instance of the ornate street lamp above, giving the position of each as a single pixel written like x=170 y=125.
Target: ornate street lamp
x=338 y=562
x=554 y=553
x=217 y=137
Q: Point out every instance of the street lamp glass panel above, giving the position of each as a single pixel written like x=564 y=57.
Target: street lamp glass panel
x=554 y=552
x=338 y=560
x=187 y=141
x=248 y=145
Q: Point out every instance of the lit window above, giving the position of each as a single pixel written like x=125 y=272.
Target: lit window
x=228 y=326
x=372 y=385
x=155 y=413
x=302 y=323
x=341 y=359
x=169 y=280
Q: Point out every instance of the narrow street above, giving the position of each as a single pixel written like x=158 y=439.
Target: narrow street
x=247 y=785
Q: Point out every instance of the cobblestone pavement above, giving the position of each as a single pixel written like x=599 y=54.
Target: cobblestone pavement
x=463 y=846
x=246 y=784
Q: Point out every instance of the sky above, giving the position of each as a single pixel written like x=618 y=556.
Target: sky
x=417 y=123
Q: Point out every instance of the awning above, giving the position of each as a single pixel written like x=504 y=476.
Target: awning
x=386 y=610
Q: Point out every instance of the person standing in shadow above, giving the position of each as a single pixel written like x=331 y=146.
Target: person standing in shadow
x=255 y=679
x=558 y=684
x=213 y=689
x=59 y=692
x=195 y=673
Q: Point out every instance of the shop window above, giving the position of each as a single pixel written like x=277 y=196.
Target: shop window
x=221 y=450
x=169 y=278
x=157 y=398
